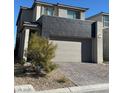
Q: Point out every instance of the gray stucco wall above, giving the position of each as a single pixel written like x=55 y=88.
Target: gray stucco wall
x=106 y=44
x=56 y=26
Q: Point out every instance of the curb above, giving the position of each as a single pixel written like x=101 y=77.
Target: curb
x=78 y=89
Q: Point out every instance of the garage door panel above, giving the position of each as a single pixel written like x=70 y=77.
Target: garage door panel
x=67 y=51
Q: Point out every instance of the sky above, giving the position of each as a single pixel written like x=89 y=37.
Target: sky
x=95 y=6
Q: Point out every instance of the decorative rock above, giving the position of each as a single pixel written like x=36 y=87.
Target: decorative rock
x=39 y=70
x=24 y=88
x=27 y=64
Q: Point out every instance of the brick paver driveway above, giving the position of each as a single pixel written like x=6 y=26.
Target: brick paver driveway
x=85 y=73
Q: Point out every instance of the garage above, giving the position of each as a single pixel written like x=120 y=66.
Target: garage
x=67 y=51
x=71 y=36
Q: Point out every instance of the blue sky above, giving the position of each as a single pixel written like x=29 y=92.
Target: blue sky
x=95 y=6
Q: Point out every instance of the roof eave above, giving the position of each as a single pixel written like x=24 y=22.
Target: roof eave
x=61 y=5
x=101 y=13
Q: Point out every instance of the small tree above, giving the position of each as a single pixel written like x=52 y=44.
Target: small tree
x=41 y=51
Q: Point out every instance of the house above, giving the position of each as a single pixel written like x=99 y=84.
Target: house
x=78 y=40
x=104 y=18
x=101 y=17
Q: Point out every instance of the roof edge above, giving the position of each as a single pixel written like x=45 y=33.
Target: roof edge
x=101 y=13
x=62 y=5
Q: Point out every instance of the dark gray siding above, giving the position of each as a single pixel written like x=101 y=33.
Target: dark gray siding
x=106 y=44
x=86 y=50
x=26 y=16
x=56 y=26
x=64 y=29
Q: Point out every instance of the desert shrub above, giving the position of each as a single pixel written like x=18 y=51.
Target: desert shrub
x=41 y=51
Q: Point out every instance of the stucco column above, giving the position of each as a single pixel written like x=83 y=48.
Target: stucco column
x=97 y=44
x=38 y=12
x=26 y=39
x=82 y=15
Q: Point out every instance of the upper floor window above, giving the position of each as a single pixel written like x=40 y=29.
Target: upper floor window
x=48 y=11
x=73 y=14
x=106 y=21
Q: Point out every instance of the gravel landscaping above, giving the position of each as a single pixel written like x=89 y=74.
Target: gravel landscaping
x=43 y=83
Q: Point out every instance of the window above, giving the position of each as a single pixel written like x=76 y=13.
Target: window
x=48 y=11
x=106 y=21
x=73 y=14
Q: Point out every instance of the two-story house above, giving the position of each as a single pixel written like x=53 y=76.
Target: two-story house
x=78 y=40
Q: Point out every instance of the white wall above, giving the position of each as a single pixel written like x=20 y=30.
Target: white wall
x=82 y=15
x=26 y=41
x=38 y=11
x=62 y=13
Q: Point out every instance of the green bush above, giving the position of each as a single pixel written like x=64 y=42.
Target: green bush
x=41 y=51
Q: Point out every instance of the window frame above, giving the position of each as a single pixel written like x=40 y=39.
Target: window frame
x=74 y=14
x=46 y=9
x=105 y=21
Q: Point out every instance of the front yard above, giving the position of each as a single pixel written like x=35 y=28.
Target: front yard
x=53 y=80
x=77 y=74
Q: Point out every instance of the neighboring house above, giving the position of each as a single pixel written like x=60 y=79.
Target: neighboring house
x=78 y=40
x=101 y=17
x=104 y=18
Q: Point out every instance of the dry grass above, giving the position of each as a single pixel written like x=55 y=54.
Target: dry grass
x=62 y=80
